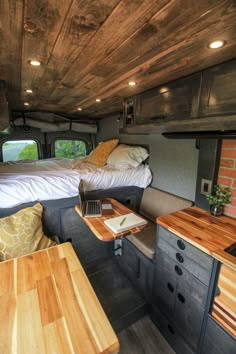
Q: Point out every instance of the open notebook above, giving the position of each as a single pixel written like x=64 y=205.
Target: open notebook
x=125 y=222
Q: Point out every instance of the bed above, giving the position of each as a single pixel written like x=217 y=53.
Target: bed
x=59 y=178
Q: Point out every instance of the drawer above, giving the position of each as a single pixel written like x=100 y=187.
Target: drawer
x=188 y=318
x=217 y=340
x=165 y=294
x=185 y=259
x=169 y=271
x=170 y=332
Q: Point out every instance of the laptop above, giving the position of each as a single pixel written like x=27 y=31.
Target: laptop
x=93 y=208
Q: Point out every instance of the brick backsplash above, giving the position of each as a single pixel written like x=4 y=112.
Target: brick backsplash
x=227 y=173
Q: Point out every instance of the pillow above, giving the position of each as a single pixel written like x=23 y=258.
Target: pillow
x=126 y=156
x=99 y=155
x=22 y=233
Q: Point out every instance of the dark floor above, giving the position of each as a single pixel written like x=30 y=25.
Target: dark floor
x=143 y=337
x=120 y=300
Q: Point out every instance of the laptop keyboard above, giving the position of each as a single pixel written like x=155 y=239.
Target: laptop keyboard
x=93 y=207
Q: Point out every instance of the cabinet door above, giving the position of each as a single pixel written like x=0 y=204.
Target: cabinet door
x=218 y=90
x=216 y=340
x=176 y=100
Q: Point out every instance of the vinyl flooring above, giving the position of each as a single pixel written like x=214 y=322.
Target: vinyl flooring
x=142 y=337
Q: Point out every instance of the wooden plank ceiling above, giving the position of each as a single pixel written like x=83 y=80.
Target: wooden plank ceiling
x=91 y=49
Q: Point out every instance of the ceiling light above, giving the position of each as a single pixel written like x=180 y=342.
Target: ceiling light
x=132 y=83
x=98 y=100
x=79 y=109
x=35 y=62
x=29 y=91
x=216 y=44
x=26 y=103
x=163 y=90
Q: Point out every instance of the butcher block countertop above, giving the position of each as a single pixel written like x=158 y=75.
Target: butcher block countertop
x=48 y=306
x=210 y=234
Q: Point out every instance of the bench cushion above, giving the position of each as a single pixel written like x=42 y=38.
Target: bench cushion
x=155 y=203
x=145 y=241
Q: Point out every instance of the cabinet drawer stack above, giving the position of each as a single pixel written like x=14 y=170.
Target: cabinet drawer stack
x=181 y=282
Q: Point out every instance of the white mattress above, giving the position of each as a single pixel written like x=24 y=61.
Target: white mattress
x=48 y=180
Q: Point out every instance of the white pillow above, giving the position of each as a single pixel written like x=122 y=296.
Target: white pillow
x=126 y=156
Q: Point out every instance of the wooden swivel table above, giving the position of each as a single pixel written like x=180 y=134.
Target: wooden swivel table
x=103 y=232
x=47 y=305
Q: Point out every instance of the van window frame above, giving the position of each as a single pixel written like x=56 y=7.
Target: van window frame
x=66 y=138
x=3 y=141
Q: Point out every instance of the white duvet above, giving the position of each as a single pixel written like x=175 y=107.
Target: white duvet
x=56 y=179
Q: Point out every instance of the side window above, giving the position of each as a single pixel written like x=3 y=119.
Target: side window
x=70 y=148
x=14 y=150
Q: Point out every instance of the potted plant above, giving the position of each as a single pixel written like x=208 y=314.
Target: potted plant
x=217 y=200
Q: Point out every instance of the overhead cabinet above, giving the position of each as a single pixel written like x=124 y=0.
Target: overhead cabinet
x=177 y=100
x=193 y=99
x=218 y=92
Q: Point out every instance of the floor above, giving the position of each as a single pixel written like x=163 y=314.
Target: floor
x=142 y=337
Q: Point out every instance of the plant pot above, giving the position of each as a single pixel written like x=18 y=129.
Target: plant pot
x=216 y=210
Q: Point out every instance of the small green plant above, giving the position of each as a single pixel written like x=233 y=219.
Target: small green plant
x=220 y=197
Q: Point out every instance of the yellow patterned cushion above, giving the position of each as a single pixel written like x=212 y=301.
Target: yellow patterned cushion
x=22 y=233
x=100 y=155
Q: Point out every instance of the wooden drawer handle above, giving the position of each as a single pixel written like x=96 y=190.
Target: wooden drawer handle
x=179 y=258
x=180 y=244
x=170 y=287
x=178 y=270
x=181 y=298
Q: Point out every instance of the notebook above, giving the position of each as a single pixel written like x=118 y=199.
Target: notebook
x=125 y=222
x=93 y=208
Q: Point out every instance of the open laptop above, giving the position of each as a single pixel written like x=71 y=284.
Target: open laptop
x=93 y=208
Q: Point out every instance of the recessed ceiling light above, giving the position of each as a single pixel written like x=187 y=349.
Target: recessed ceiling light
x=35 y=62
x=132 y=83
x=29 y=91
x=79 y=109
x=216 y=44
x=26 y=103
x=98 y=100
x=163 y=90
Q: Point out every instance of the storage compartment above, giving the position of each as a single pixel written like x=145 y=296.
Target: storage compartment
x=217 y=340
x=171 y=333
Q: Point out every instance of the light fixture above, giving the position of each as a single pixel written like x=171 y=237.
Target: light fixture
x=26 y=103
x=98 y=100
x=218 y=43
x=79 y=109
x=35 y=62
x=29 y=91
x=164 y=89
x=132 y=83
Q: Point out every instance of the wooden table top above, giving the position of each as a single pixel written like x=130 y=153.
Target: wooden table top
x=47 y=305
x=99 y=228
x=210 y=234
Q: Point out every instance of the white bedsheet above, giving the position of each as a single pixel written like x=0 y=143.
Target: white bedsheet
x=28 y=185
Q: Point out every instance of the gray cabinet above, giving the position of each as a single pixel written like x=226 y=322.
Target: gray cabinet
x=176 y=100
x=217 y=340
x=181 y=281
x=218 y=90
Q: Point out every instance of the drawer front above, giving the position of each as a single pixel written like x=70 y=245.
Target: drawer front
x=171 y=272
x=217 y=341
x=188 y=318
x=194 y=265
x=165 y=293
x=170 y=332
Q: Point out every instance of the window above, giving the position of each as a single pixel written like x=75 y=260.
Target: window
x=14 y=150
x=70 y=148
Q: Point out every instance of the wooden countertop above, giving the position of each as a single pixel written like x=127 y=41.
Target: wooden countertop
x=103 y=232
x=47 y=305
x=210 y=234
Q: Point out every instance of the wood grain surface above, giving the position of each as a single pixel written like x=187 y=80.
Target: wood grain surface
x=210 y=234
x=224 y=306
x=99 y=228
x=47 y=305
x=91 y=49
